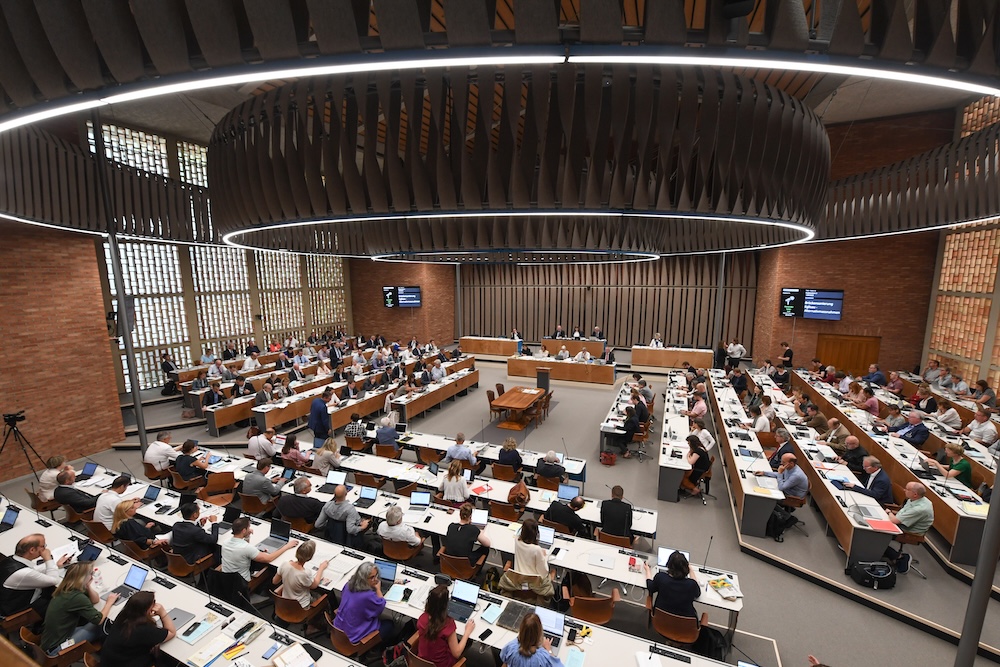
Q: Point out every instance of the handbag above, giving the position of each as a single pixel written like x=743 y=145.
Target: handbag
x=518 y=496
x=608 y=458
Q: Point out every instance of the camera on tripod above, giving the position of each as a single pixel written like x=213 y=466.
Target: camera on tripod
x=12 y=418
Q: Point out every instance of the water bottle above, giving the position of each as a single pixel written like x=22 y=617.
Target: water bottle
x=98 y=580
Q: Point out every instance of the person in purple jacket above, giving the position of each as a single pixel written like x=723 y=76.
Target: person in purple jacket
x=361 y=605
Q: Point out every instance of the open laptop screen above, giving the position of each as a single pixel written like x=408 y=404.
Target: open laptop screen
x=89 y=468
x=386 y=569
x=152 y=492
x=136 y=577
x=336 y=477
x=420 y=498
x=568 y=491
x=545 y=535
x=465 y=591
x=552 y=621
x=663 y=553
x=10 y=516
x=369 y=492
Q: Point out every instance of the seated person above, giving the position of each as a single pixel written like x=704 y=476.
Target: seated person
x=462 y=452
x=875 y=375
x=386 y=433
x=853 y=456
x=700 y=463
x=140 y=627
x=328 y=456
x=296 y=582
x=616 y=515
x=893 y=418
x=631 y=427
x=189 y=538
x=791 y=480
x=958 y=466
x=72 y=615
x=453 y=486
x=26 y=583
x=299 y=505
x=676 y=589
x=982 y=429
x=878 y=484
x=361 y=605
x=815 y=419
x=126 y=527
x=868 y=402
x=462 y=537
x=948 y=415
x=549 y=466
x=509 y=456
x=189 y=465
x=835 y=435
x=395 y=530
x=532 y=560
x=338 y=509
x=291 y=455
x=914 y=431
x=916 y=516
x=783 y=439
x=238 y=554
x=758 y=422
x=567 y=515
x=437 y=639
x=562 y=354
x=67 y=494
x=257 y=483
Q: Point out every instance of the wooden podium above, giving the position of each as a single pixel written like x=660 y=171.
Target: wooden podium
x=542 y=377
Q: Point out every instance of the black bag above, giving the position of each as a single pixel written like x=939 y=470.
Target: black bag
x=779 y=521
x=711 y=643
x=877 y=575
x=169 y=389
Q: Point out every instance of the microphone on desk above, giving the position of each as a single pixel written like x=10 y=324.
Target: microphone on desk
x=99 y=465
x=38 y=517
x=704 y=566
x=128 y=470
x=275 y=635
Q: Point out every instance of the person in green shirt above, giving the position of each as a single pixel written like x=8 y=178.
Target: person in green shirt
x=73 y=601
x=958 y=466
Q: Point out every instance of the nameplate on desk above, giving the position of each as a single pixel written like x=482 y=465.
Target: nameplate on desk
x=416 y=575
x=656 y=650
x=497 y=521
x=564 y=538
x=633 y=554
x=116 y=559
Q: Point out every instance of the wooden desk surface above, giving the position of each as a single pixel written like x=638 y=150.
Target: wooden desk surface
x=670 y=357
x=500 y=347
x=562 y=370
x=440 y=394
x=573 y=346
x=518 y=398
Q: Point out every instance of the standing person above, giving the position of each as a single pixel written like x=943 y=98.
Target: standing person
x=135 y=634
x=531 y=648
x=735 y=353
x=319 y=417
x=437 y=639
x=786 y=355
x=719 y=356
x=72 y=602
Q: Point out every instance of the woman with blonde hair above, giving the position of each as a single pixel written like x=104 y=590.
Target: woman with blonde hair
x=47 y=480
x=73 y=601
x=296 y=582
x=125 y=526
x=453 y=486
x=509 y=456
x=327 y=456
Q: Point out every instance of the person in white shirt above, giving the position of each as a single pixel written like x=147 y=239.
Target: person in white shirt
x=767 y=368
x=47 y=481
x=698 y=429
x=453 y=486
x=261 y=445
x=34 y=577
x=958 y=385
x=218 y=370
x=657 y=341
x=982 y=429
x=562 y=354
x=948 y=415
x=208 y=357
x=430 y=348
x=160 y=452
x=767 y=408
x=514 y=335
x=582 y=355
x=735 y=351
x=845 y=383
x=104 y=511
x=438 y=372
x=395 y=530
x=250 y=364
x=758 y=422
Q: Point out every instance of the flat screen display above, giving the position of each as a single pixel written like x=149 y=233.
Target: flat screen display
x=401 y=296
x=811 y=304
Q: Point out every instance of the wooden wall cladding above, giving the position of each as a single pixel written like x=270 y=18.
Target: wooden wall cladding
x=675 y=296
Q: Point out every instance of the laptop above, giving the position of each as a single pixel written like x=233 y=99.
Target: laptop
x=553 y=624
x=663 y=553
x=226 y=525
x=367 y=497
x=88 y=471
x=568 y=492
x=401 y=428
x=152 y=493
x=599 y=560
x=545 y=536
x=280 y=532
x=9 y=517
x=187 y=498
x=179 y=616
x=464 y=597
x=386 y=572
x=334 y=478
x=134 y=580
x=420 y=501
x=89 y=553
x=480 y=518
x=467 y=475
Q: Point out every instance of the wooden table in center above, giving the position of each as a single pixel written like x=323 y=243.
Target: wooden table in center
x=517 y=400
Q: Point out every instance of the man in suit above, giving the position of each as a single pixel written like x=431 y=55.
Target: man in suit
x=641 y=411
x=214 y=395
x=283 y=362
x=229 y=353
x=878 y=486
x=167 y=364
x=350 y=391
x=189 y=537
x=567 y=515
x=251 y=348
x=456 y=354
x=65 y=494
x=299 y=505
x=242 y=388
x=258 y=484
x=913 y=431
x=319 y=417
x=296 y=374
x=264 y=396
x=559 y=333
x=598 y=334
x=616 y=515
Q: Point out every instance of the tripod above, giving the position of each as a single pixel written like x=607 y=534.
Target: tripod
x=11 y=429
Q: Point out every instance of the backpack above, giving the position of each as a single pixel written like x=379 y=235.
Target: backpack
x=519 y=495
x=711 y=643
x=395 y=656
x=878 y=575
x=169 y=388
x=491 y=582
x=779 y=521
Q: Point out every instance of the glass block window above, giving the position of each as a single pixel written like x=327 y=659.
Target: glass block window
x=152 y=276
x=980 y=115
x=279 y=279
x=327 y=297
x=192 y=160
x=960 y=326
x=961 y=251
x=220 y=284
x=135 y=148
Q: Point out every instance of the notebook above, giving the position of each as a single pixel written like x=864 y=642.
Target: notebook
x=152 y=493
x=9 y=517
x=88 y=471
x=545 y=536
x=553 y=624
x=134 y=580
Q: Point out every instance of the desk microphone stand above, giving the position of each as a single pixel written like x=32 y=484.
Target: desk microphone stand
x=11 y=429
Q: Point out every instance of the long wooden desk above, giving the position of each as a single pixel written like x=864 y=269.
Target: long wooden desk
x=193 y=397
x=191 y=372
x=455 y=384
x=573 y=346
x=655 y=359
x=489 y=347
x=298 y=406
x=574 y=371
x=962 y=530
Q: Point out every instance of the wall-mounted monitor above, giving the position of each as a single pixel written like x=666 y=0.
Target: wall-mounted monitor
x=401 y=297
x=811 y=304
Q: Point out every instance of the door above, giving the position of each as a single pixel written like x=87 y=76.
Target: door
x=852 y=354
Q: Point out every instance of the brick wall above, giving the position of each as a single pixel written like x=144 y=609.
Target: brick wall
x=435 y=319
x=870 y=144
x=57 y=364
x=887 y=285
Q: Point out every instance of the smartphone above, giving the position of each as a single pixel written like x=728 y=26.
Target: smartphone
x=555 y=552
x=486 y=633
x=572 y=635
x=271 y=651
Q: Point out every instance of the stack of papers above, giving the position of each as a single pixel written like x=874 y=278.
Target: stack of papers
x=211 y=651
x=725 y=588
x=293 y=656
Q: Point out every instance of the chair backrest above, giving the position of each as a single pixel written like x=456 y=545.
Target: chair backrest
x=178 y=566
x=343 y=645
x=500 y=390
x=429 y=455
x=99 y=531
x=547 y=483
x=413 y=660
x=251 y=504
x=300 y=524
x=766 y=439
x=504 y=511
x=491 y=395
x=558 y=527
x=288 y=610
x=220 y=482
x=400 y=551
x=25 y=617
x=150 y=471
x=617 y=540
x=72 y=516
x=354 y=443
x=181 y=483
x=503 y=473
x=387 y=451
x=366 y=479
x=457 y=567
x=592 y=610
x=405 y=489
x=91 y=660
x=711 y=464
x=135 y=551
x=677 y=629
x=910 y=538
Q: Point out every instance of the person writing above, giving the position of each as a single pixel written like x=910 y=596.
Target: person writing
x=437 y=636
x=531 y=648
x=296 y=582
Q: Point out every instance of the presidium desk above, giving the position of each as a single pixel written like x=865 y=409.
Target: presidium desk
x=574 y=371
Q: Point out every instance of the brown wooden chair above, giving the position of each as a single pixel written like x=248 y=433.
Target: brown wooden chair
x=679 y=631
x=428 y=455
x=291 y=612
x=99 y=531
x=504 y=511
x=795 y=502
x=220 y=489
x=616 y=540
x=459 y=567
x=546 y=403
x=182 y=484
x=249 y=456
x=547 y=483
x=504 y=473
x=558 y=527
x=22 y=618
x=49 y=506
x=133 y=550
x=499 y=412
x=354 y=443
x=91 y=660
x=404 y=489
x=597 y=610
x=366 y=479
x=500 y=390
x=534 y=413
x=74 y=517
x=300 y=524
x=154 y=475
x=413 y=660
x=251 y=504
x=343 y=646
x=388 y=451
x=179 y=568
x=64 y=658
x=401 y=551
x=524 y=586
x=911 y=538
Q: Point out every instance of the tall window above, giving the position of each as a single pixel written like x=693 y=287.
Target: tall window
x=327 y=300
x=279 y=279
x=135 y=148
x=221 y=297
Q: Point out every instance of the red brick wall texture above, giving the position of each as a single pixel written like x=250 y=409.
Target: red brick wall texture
x=870 y=144
x=57 y=364
x=887 y=285
x=435 y=319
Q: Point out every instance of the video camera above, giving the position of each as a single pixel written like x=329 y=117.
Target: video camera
x=12 y=418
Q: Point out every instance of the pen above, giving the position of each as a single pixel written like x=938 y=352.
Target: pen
x=241 y=655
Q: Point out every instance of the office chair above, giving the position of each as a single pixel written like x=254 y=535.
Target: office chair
x=910 y=538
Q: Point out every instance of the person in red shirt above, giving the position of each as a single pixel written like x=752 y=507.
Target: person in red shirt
x=437 y=640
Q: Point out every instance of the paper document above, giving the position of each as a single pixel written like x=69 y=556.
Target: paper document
x=974 y=509
x=575 y=657
x=491 y=613
x=395 y=593
x=211 y=651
